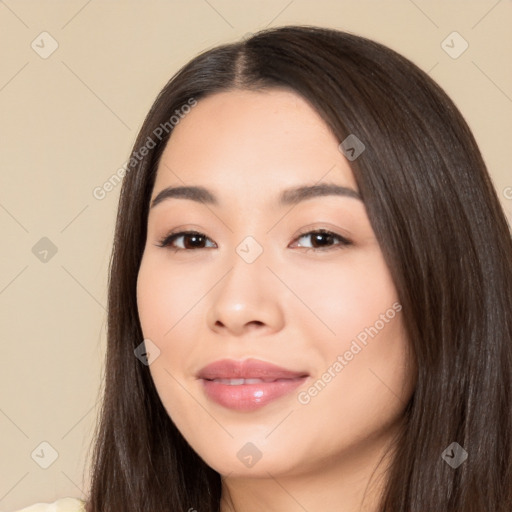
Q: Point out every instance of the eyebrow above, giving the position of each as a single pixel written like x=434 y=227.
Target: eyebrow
x=288 y=197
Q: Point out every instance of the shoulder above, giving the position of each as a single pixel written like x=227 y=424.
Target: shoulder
x=62 y=505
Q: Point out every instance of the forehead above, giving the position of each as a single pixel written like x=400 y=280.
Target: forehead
x=246 y=140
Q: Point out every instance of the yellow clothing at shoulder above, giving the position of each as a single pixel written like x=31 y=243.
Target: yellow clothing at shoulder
x=62 y=505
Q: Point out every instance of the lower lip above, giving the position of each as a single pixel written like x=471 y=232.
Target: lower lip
x=248 y=397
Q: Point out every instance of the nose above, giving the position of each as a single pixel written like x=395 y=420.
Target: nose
x=247 y=299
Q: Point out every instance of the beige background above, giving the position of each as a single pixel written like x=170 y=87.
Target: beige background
x=67 y=124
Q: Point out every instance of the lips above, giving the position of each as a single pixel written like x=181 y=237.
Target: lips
x=247 y=369
x=249 y=384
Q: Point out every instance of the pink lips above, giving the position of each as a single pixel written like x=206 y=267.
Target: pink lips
x=240 y=396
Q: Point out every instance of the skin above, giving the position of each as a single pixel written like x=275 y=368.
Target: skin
x=294 y=307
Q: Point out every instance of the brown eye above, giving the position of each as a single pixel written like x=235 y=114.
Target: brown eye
x=324 y=240
x=189 y=240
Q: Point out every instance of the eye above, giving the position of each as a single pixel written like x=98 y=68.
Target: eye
x=322 y=240
x=195 y=239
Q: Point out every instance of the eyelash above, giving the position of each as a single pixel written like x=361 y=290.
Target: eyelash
x=168 y=239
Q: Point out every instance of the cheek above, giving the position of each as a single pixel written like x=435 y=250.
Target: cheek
x=367 y=388
x=361 y=341
x=345 y=296
x=166 y=295
x=165 y=303
x=171 y=316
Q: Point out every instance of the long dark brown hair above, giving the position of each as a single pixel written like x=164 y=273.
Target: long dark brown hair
x=442 y=232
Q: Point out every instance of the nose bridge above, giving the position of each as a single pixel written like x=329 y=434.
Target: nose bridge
x=247 y=279
x=248 y=293
x=250 y=249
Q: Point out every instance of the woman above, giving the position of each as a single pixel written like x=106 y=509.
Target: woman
x=310 y=293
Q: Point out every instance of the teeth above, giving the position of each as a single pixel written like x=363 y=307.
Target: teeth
x=238 y=382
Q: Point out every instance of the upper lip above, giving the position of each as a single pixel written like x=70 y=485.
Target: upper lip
x=246 y=369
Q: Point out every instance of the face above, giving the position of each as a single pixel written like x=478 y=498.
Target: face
x=297 y=281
